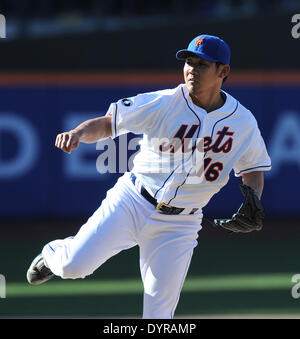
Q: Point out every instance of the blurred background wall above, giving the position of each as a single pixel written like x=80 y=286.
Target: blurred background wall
x=130 y=34
x=63 y=62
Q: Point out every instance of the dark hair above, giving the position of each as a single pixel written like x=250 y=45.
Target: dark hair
x=219 y=64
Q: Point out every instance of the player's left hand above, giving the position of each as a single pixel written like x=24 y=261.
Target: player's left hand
x=249 y=216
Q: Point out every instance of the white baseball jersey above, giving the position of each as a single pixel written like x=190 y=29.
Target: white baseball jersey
x=187 y=154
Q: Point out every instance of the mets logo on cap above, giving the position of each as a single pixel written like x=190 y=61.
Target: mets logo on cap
x=199 y=41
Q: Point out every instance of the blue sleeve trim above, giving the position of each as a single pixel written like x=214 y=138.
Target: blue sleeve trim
x=251 y=168
x=115 y=121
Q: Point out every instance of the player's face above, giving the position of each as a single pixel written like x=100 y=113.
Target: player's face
x=201 y=75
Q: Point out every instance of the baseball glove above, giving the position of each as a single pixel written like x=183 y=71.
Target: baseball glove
x=249 y=216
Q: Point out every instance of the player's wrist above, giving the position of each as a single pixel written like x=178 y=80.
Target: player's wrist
x=77 y=133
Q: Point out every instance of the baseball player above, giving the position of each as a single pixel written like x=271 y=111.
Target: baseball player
x=193 y=136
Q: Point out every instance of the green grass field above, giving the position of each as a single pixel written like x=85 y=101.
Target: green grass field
x=116 y=287
x=241 y=275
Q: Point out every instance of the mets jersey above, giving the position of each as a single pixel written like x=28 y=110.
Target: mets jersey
x=186 y=154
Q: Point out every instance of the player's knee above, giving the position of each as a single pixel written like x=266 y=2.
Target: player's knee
x=73 y=270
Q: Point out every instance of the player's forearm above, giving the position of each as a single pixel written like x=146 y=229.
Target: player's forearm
x=93 y=130
x=255 y=180
x=88 y=132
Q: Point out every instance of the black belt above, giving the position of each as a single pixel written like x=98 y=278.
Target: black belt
x=161 y=207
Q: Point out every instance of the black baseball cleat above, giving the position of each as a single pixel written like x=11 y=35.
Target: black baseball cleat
x=38 y=273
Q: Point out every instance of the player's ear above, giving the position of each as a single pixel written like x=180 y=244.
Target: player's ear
x=223 y=71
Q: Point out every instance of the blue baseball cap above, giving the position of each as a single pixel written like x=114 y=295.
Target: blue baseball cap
x=208 y=47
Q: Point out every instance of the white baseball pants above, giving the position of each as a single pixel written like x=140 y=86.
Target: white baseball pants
x=123 y=220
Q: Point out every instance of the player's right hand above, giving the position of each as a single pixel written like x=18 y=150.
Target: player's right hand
x=67 y=141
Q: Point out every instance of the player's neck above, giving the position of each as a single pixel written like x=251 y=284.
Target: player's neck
x=208 y=101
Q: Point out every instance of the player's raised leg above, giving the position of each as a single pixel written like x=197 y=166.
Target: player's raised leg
x=107 y=232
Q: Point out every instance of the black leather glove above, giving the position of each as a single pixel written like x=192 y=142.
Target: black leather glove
x=249 y=216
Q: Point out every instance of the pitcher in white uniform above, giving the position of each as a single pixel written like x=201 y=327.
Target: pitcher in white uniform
x=193 y=136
